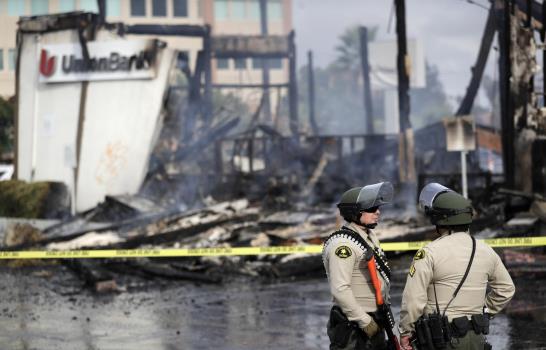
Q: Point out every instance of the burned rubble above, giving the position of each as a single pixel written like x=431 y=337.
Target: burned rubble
x=222 y=175
x=125 y=222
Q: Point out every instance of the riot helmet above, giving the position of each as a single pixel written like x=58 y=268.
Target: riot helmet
x=445 y=207
x=358 y=199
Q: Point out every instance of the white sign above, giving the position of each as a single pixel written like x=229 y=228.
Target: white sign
x=108 y=60
x=460 y=133
x=383 y=68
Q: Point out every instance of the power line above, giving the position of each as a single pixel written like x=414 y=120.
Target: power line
x=472 y=2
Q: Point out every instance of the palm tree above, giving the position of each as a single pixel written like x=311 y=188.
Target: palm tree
x=348 y=50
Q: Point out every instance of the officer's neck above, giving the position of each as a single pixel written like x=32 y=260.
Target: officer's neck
x=444 y=231
x=359 y=228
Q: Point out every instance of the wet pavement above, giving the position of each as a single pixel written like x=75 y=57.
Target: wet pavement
x=53 y=312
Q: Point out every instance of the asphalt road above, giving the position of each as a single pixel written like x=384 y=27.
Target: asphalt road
x=47 y=308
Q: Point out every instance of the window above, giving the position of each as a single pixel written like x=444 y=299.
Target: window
x=16 y=8
x=113 y=8
x=89 y=6
x=180 y=8
x=237 y=9
x=199 y=9
x=1 y=59
x=274 y=10
x=159 y=8
x=11 y=59
x=272 y=63
x=138 y=8
x=39 y=7
x=67 y=5
x=254 y=10
x=220 y=9
x=222 y=63
x=240 y=63
x=275 y=63
x=257 y=63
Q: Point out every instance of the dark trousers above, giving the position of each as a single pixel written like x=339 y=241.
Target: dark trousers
x=471 y=341
x=346 y=335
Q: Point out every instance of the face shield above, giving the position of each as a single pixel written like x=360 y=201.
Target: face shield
x=375 y=195
x=429 y=193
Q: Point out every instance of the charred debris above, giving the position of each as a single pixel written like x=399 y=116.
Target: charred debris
x=225 y=175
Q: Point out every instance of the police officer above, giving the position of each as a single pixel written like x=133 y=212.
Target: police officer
x=351 y=324
x=445 y=303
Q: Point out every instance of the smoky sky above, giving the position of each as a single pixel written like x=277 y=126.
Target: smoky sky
x=450 y=30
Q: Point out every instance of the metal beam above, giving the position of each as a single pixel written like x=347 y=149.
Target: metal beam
x=478 y=69
x=367 y=90
x=167 y=30
x=502 y=8
x=311 y=91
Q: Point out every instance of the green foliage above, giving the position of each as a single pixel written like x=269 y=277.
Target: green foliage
x=6 y=125
x=339 y=93
x=21 y=199
x=348 y=50
x=338 y=89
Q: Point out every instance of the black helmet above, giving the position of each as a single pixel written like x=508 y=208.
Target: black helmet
x=444 y=206
x=358 y=199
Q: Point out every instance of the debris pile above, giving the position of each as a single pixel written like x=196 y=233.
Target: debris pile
x=124 y=222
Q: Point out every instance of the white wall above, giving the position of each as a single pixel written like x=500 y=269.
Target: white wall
x=121 y=119
x=119 y=123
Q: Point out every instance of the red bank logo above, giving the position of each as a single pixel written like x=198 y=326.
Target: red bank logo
x=47 y=65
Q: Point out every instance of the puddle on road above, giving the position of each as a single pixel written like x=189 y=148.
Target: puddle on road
x=239 y=315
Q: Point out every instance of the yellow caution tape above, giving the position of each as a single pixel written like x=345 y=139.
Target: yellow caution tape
x=231 y=251
x=493 y=242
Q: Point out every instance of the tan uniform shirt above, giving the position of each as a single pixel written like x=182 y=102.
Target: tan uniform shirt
x=444 y=262
x=348 y=276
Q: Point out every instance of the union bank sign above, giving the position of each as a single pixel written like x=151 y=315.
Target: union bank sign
x=108 y=60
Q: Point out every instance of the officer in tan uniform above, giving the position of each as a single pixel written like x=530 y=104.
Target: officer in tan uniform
x=351 y=324
x=445 y=303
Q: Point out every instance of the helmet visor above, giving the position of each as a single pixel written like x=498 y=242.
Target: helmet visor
x=375 y=195
x=429 y=193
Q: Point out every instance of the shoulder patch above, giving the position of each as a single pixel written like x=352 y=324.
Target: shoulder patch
x=419 y=255
x=343 y=252
x=412 y=270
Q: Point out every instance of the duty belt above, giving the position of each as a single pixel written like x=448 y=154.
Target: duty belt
x=460 y=326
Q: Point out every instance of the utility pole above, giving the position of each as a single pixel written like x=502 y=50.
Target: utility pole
x=405 y=149
x=368 y=107
x=293 y=86
x=311 y=88
x=207 y=94
x=265 y=65
x=502 y=8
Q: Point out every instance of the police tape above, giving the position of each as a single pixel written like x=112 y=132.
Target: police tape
x=239 y=251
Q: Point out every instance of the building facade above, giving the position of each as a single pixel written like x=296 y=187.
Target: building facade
x=226 y=17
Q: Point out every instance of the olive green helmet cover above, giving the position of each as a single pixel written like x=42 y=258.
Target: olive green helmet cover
x=444 y=206
x=357 y=199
